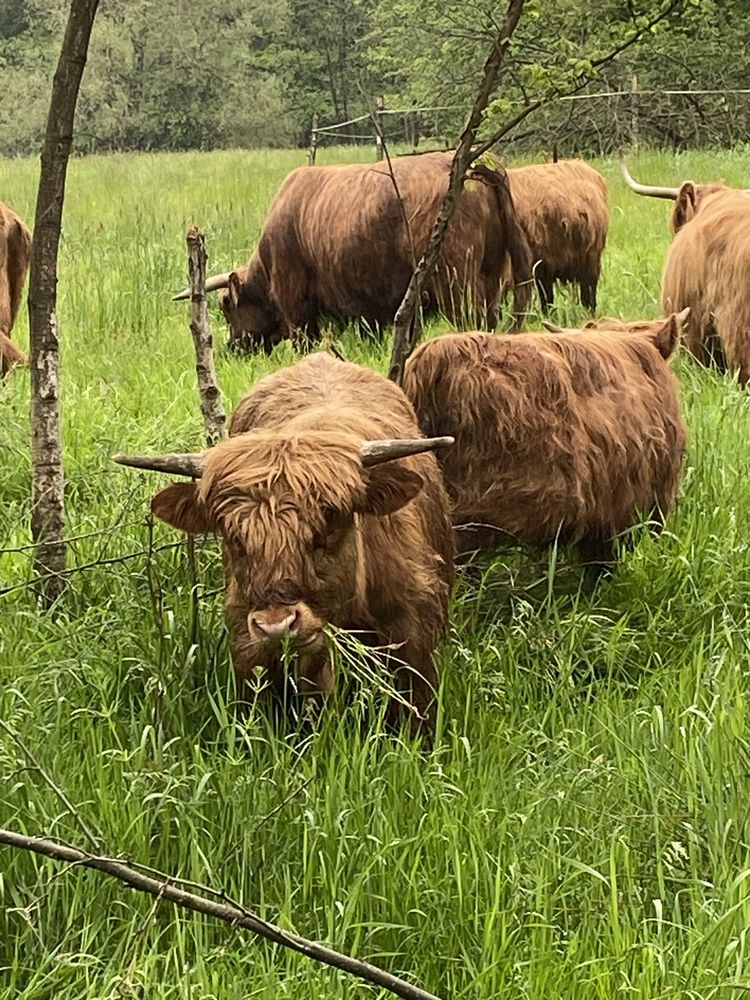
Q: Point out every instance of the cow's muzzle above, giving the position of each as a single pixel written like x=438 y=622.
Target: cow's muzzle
x=295 y=625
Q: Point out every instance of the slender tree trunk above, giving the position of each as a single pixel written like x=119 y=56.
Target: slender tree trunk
x=47 y=492
x=406 y=330
x=214 y=417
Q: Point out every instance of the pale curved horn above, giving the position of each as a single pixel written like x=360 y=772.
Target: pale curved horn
x=375 y=452
x=551 y=327
x=213 y=283
x=647 y=189
x=682 y=316
x=181 y=464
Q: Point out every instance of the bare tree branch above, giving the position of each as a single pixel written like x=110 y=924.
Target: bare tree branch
x=405 y=330
x=229 y=911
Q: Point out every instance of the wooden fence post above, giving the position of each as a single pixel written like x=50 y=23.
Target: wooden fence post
x=312 y=151
x=47 y=479
x=379 y=109
x=214 y=417
x=634 y=127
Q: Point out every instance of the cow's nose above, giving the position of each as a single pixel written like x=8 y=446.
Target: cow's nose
x=279 y=628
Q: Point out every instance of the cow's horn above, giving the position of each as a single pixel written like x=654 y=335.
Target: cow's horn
x=212 y=284
x=552 y=327
x=647 y=189
x=682 y=316
x=375 y=452
x=185 y=464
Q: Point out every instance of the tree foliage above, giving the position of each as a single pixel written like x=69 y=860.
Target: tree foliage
x=182 y=75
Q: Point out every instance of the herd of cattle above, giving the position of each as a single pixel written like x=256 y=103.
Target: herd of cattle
x=333 y=506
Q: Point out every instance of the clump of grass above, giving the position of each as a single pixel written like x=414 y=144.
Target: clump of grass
x=578 y=828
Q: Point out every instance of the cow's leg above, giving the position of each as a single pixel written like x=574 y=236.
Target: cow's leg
x=545 y=285
x=597 y=556
x=416 y=680
x=588 y=293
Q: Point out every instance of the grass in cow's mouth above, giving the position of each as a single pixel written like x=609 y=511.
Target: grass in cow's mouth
x=579 y=829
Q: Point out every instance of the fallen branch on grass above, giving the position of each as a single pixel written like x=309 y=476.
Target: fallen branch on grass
x=229 y=911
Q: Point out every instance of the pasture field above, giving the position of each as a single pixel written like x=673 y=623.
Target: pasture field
x=581 y=828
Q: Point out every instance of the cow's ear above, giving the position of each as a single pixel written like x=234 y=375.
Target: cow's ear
x=667 y=337
x=180 y=506
x=684 y=208
x=235 y=287
x=389 y=487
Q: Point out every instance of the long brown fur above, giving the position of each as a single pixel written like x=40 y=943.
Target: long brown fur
x=707 y=267
x=564 y=210
x=305 y=526
x=15 y=254
x=571 y=436
x=335 y=243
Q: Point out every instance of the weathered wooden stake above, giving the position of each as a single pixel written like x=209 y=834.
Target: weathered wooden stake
x=378 y=114
x=48 y=484
x=214 y=417
x=406 y=330
x=634 y=127
x=313 y=150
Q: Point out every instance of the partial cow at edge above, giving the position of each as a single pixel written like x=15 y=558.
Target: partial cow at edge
x=573 y=437
x=331 y=511
x=336 y=244
x=15 y=255
x=706 y=269
x=564 y=210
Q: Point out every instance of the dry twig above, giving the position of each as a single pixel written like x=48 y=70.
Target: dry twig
x=229 y=911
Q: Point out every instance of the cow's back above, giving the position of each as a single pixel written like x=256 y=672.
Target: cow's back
x=345 y=231
x=542 y=443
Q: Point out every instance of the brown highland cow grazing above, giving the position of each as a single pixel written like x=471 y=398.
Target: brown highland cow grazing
x=564 y=210
x=572 y=436
x=15 y=252
x=707 y=268
x=321 y=525
x=335 y=243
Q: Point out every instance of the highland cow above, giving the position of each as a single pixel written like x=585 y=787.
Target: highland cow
x=563 y=209
x=331 y=512
x=706 y=270
x=15 y=253
x=341 y=242
x=571 y=437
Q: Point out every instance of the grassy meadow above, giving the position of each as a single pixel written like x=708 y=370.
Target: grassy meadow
x=581 y=828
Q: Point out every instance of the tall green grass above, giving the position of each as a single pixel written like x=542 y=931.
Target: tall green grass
x=580 y=829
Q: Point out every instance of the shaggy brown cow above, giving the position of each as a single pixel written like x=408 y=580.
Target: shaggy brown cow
x=15 y=252
x=569 y=436
x=564 y=210
x=319 y=524
x=335 y=243
x=706 y=269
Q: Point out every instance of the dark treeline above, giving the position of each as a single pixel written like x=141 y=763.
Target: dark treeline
x=176 y=74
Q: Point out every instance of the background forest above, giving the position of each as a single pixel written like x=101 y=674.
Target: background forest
x=251 y=73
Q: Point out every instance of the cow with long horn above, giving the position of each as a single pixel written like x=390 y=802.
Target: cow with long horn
x=332 y=511
x=342 y=242
x=706 y=269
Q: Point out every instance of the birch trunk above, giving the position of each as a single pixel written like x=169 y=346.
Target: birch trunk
x=214 y=417
x=48 y=484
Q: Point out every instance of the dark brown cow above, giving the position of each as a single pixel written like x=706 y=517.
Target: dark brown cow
x=15 y=252
x=569 y=436
x=564 y=210
x=706 y=269
x=336 y=243
x=321 y=526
